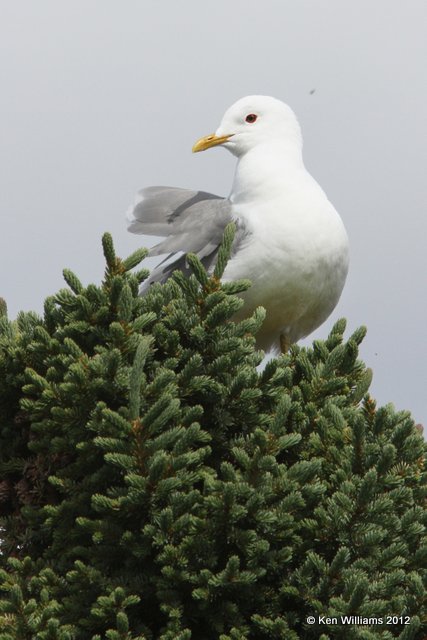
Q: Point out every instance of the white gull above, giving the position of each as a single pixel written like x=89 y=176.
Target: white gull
x=290 y=242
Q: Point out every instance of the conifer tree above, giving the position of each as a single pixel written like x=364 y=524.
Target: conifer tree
x=155 y=485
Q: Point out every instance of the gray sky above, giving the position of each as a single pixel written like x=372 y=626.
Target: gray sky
x=101 y=97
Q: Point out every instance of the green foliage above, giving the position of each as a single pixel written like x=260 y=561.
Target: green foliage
x=155 y=485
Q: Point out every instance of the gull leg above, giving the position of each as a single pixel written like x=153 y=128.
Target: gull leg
x=284 y=343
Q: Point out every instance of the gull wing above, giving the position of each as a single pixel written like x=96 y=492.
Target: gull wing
x=190 y=221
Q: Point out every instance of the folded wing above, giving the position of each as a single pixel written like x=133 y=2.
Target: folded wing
x=190 y=221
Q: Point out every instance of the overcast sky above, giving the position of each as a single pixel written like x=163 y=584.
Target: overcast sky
x=101 y=97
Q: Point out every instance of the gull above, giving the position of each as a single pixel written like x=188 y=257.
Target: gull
x=290 y=241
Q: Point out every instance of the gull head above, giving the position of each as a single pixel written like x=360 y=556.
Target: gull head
x=254 y=121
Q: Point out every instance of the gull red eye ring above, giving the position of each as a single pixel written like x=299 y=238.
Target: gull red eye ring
x=251 y=118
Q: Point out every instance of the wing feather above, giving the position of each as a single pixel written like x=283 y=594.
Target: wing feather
x=190 y=221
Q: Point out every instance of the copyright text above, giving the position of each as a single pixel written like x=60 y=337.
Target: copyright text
x=359 y=620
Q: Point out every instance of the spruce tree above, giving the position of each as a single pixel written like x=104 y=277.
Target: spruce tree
x=155 y=485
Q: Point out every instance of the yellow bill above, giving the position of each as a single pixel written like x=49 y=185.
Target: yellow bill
x=209 y=141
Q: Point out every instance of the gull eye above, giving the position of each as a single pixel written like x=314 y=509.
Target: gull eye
x=251 y=117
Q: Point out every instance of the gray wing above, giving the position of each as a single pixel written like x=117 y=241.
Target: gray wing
x=190 y=221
